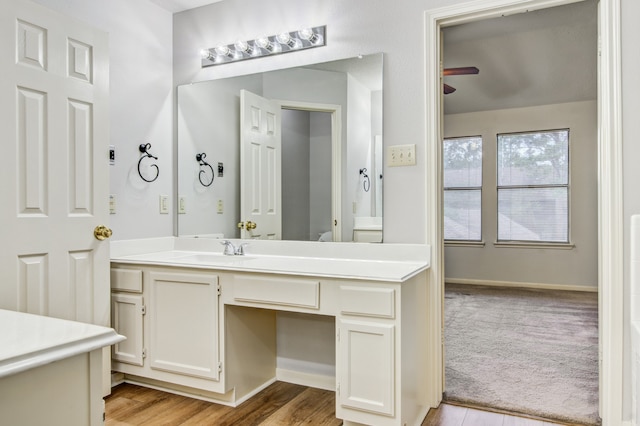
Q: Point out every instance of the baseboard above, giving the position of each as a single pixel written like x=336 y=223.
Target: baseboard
x=306 y=379
x=116 y=378
x=541 y=286
x=254 y=392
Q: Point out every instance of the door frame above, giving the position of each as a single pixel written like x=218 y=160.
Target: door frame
x=610 y=201
x=336 y=155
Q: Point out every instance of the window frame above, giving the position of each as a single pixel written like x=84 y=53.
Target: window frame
x=465 y=242
x=567 y=244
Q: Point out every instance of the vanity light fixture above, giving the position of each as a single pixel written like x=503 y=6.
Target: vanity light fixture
x=305 y=38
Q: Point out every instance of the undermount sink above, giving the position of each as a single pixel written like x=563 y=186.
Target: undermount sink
x=212 y=258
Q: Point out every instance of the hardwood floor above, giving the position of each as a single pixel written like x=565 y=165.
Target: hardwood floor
x=282 y=404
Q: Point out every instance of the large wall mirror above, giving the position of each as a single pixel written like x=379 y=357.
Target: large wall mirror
x=327 y=172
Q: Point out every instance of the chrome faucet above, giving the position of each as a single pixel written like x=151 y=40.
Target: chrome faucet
x=231 y=250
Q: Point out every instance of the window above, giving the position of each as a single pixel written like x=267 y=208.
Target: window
x=462 y=159
x=533 y=186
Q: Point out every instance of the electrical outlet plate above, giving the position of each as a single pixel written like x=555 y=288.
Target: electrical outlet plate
x=401 y=155
x=220 y=207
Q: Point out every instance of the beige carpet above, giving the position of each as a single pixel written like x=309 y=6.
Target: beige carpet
x=526 y=351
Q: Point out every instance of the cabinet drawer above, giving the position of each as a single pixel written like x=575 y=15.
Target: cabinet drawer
x=368 y=301
x=126 y=280
x=277 y=291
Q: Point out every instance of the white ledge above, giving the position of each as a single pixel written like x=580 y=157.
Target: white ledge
x=28 y=341
x=380 y=262
x=533 y=245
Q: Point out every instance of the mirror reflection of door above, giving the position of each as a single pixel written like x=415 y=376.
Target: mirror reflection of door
x=306 y=181
x=260 y=170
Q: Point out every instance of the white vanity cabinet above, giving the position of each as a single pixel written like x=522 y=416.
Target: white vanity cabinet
x=205 y=324
x=170 y=318
x=381 y=334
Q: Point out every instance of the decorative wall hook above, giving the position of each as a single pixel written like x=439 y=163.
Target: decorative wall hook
x=200 y=160
x=144 y=148
x=367 y=182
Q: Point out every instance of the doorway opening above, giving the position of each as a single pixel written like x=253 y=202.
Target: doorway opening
x=610 y=241
x=312 y=132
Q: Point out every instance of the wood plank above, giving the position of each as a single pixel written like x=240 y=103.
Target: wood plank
x=209 y=415
x=260 y=407
x=304 y=407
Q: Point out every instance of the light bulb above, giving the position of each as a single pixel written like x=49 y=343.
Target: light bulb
x=286 y=39
x=264 y=43
x=223 y=51
x=310 y=36
x=206 y=54
x=244 y=47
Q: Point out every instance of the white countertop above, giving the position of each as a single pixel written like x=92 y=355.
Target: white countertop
x=28 y=341
x=374 y=262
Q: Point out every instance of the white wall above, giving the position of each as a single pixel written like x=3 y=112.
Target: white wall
x=141 y=106
x=576 y=267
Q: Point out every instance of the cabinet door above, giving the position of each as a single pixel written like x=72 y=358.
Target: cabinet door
x=126 y=314
x=366 y=366
x=183 y=323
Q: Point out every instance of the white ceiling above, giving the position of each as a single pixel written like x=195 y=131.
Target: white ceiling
x=175 y=6
x=535 y=58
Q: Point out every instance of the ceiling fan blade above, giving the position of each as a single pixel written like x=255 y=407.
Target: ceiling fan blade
x=448 y=89
x=460 y=71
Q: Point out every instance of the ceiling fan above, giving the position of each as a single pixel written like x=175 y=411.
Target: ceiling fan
x=457 y=71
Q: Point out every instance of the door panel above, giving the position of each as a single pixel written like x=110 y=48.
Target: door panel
x=54 y=125
x=260 y=158
x=127 y=314
x=366 y=373
x=183 y=324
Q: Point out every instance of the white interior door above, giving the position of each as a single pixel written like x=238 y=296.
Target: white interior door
x=54 y=129
x=260 y=160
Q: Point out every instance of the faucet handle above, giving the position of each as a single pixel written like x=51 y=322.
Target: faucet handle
x=229 y=249
x=240 y=249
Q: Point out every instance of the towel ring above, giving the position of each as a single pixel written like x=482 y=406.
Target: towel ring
x=144 y=148
x=201 y=162
x=366 y=184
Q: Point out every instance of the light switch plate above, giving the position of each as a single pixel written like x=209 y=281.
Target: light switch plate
x=112 y=203
x=182 y=205
x=401 y=155
x=164 y=204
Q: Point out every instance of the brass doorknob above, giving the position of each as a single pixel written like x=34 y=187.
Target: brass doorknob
x=102 y=232
x=251 y=225
x=240 y=225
